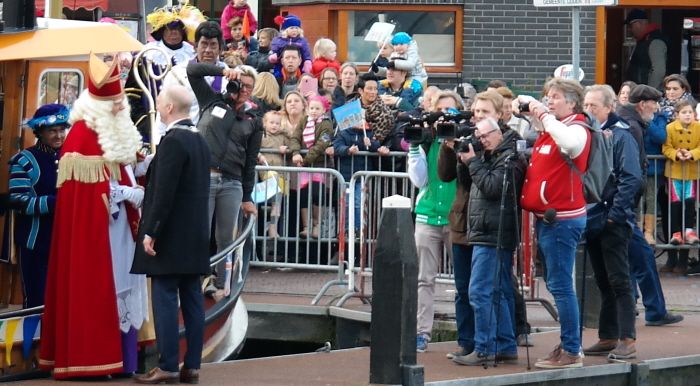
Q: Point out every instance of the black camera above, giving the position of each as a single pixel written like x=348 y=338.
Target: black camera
x=450 y=128
x=414 y=130
x=233 y=87
x=524 y=107
x=462 y=146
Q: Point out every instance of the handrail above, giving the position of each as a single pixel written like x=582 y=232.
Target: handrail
x=241 y=263
x=246 y=240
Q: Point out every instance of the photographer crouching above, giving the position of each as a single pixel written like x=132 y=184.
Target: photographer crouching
x=491 y=170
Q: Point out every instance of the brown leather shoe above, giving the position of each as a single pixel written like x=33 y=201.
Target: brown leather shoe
x=601 y=348
x=625 y=349
x=157 y=376
x=189 y=375
x=563 y=361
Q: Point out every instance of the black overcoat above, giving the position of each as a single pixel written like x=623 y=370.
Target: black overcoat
x=176 y=206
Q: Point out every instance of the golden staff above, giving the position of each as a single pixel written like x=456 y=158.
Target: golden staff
x=154 y=78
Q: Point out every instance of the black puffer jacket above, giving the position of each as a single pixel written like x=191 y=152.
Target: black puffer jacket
x=483 y=177
x=260 y=60
x=233 y=136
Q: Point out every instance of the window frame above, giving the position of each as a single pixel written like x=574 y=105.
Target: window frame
x=341 y=14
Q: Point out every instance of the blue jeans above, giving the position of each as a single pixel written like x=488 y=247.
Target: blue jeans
x=356 y=204
x=225 y=197
x=557 y=244
x=494 y=307
x=462 y=264
x=643 y=272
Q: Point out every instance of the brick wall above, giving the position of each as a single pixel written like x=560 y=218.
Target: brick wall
x=510 y=40
x=516 y=42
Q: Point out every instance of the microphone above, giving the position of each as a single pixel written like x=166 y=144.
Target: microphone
x=549 y=216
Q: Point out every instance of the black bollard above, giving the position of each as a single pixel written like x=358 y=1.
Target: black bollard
x=395 y=298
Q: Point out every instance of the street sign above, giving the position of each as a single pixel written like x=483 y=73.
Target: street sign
x=573 y=3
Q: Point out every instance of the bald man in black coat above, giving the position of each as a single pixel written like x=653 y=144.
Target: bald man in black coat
x=174 y=238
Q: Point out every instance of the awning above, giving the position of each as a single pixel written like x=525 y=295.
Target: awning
x=52 y=43
x=75 y=4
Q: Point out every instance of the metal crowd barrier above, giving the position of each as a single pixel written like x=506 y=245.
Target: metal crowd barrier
x=385 y=176
x=663 y=200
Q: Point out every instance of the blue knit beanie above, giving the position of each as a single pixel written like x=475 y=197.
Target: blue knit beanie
x=401 y=38
x=291 y=21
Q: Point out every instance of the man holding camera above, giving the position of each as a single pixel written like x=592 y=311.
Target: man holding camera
x=554 y=193
x=493 y=173
x=234 y=136
x=432 y=209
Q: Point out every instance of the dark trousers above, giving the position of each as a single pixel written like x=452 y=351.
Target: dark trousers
x=34 y=266
x=643 y=272
x=164 y=297
x=464 y=313
x=677 y=215
x=608 y=252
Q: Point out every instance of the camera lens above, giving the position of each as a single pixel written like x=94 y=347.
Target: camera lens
x=524 y=107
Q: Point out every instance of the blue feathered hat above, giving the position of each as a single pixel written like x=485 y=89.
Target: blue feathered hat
x=401 y=38
x=49 y=115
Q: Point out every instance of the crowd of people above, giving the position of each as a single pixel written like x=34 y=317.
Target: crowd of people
x=241 y=94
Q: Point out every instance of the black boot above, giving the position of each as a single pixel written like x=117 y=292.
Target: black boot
x=682 y=264
x=671 y=260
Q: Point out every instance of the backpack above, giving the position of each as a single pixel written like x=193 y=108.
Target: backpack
x=599 y=167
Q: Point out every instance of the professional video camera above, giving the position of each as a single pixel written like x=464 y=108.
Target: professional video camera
x=416 y=130
x=454 y=124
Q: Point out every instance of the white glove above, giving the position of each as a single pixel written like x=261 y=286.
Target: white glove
x=131 y=194
x=142 y=167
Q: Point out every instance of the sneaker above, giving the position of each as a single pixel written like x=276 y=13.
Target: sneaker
x=210 y=289
x=459 y=351
x=693 y=271
x=474 y=359
x=422 y=343
x=677 y=239
x=524 y=340
x=563 y=361
x=691 y=238
x=669 y=318
x=552 y=355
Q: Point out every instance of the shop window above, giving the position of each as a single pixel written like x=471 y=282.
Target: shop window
x=433 y=31
x=60 y=86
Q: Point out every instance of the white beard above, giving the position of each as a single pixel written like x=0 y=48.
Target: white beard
x=116 y=134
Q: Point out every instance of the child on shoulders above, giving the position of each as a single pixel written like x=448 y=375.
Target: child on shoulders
x=325 y=52
x=406 y=47
x=294 y=35
x=238 y=8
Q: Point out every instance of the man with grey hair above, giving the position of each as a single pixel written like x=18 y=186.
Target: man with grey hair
x=609 y=231
x=641 y=255
x=233 y=133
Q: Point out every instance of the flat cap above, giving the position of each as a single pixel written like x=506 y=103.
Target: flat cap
x=635 y=14
x=642 y=92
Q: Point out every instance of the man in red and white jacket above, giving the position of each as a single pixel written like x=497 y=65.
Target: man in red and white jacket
x=551 y=184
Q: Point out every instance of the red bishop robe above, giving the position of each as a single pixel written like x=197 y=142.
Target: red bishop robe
x=80 y=328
